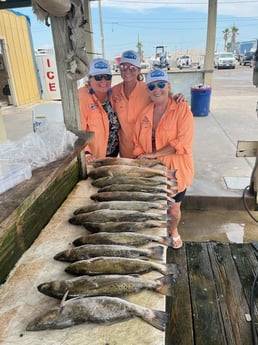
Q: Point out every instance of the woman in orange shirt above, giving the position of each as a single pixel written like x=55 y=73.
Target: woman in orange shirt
x=165 y=130
x=97 y=113
x=129 y=98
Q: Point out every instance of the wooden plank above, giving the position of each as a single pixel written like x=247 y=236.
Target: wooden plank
x=247 y=149
x=245 y=257
x=231 y=297
x=179 y=329
x=208 y=326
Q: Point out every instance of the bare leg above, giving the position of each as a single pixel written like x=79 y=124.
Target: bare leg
x=175 y=212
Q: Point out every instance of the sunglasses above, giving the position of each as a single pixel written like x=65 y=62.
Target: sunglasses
x=126 y=67
x=99 y=77
x=160 y=85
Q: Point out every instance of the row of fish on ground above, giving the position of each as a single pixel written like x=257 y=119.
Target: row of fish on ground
x=108 y=263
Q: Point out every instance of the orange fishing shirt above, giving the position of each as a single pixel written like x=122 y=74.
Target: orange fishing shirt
x=127 y=111
x=175 y=128
x=95 y=119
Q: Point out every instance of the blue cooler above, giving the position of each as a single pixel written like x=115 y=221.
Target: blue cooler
x=200 y=100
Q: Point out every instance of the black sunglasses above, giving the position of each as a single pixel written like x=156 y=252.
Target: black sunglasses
x=160 y=85
x=99 y=77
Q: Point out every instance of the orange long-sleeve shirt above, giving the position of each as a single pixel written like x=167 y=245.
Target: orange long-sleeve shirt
x=176 y=128
x=94 y=118
x=127 y=111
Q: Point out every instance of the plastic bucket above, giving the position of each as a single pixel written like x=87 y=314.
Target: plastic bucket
x=200 y=100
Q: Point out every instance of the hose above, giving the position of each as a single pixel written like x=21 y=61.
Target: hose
x=245 y=204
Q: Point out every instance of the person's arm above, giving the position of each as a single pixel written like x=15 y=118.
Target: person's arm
x=166 y=150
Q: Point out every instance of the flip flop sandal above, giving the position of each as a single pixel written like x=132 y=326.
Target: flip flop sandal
x=177 y=239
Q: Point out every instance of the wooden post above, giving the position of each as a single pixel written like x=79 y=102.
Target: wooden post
x=68 y=88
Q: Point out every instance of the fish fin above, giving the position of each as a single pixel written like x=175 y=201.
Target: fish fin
x=156 y=318
x=156 y=252
x=62 y=303
x=172 y=269
x=166 y=284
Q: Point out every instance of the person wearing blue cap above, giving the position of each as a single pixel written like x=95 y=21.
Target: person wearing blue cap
x=165 y=130
x=129 y=98
x=97 y=113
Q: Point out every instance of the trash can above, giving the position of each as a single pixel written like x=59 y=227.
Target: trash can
x=200 y=100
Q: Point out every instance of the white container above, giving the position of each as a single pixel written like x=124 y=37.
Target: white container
x=12 y=174
x=45 y=114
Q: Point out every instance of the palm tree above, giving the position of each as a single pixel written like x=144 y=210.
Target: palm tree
x=234 y=33
x=226 y=34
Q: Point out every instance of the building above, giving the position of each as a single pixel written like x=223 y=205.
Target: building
x=19 y=83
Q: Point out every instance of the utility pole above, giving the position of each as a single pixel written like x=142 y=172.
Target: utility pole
x=101 y=31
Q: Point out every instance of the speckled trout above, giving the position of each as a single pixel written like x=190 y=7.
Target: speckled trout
x=153 y=181
x=119 y=265
x=100 y=310
x=107 y=215
x=93 y=250
x=127 y=161
x=122 y=238
x=106 y=285
x=124 y=226
x=127 y=170
x=130 y=196
x=122 y=205
x=134 y=188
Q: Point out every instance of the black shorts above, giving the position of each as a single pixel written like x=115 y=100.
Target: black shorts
x=180 y=196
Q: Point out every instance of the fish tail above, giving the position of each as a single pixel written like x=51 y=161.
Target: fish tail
x=170 y=199
x=166 y=283
x=171 y=269
x=172 y=183
x=171 y=174
x=156 y=318
x=156 y=252
x=167 y=241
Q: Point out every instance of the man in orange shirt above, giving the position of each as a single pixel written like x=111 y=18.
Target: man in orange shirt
x=165 y=131
x=97 y=113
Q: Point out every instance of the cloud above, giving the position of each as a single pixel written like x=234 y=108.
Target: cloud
x=240 y=8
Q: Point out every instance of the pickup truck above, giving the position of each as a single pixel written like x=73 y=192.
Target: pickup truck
x=224 y=60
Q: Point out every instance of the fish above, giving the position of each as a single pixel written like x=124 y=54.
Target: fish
x=106 y=285
x=123 y=238
x=119 y=265
x=121 y=205
x=93 y=250
x=149 y=163
x=124 y=226
x=126 y=170
x=134 y=188
x=130 y=196
x=107 y=215
x=100 y=309
x=151 y=181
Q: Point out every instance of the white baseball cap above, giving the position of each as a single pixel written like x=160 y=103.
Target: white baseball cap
x=132 y=57
x=99 y=66
x=156 y=75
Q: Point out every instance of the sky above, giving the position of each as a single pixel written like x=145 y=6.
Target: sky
x=179 y=25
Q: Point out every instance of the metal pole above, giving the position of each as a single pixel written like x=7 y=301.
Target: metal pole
x=101 y=30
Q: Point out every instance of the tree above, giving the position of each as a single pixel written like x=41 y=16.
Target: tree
x=234 y=33
x=226 y=34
